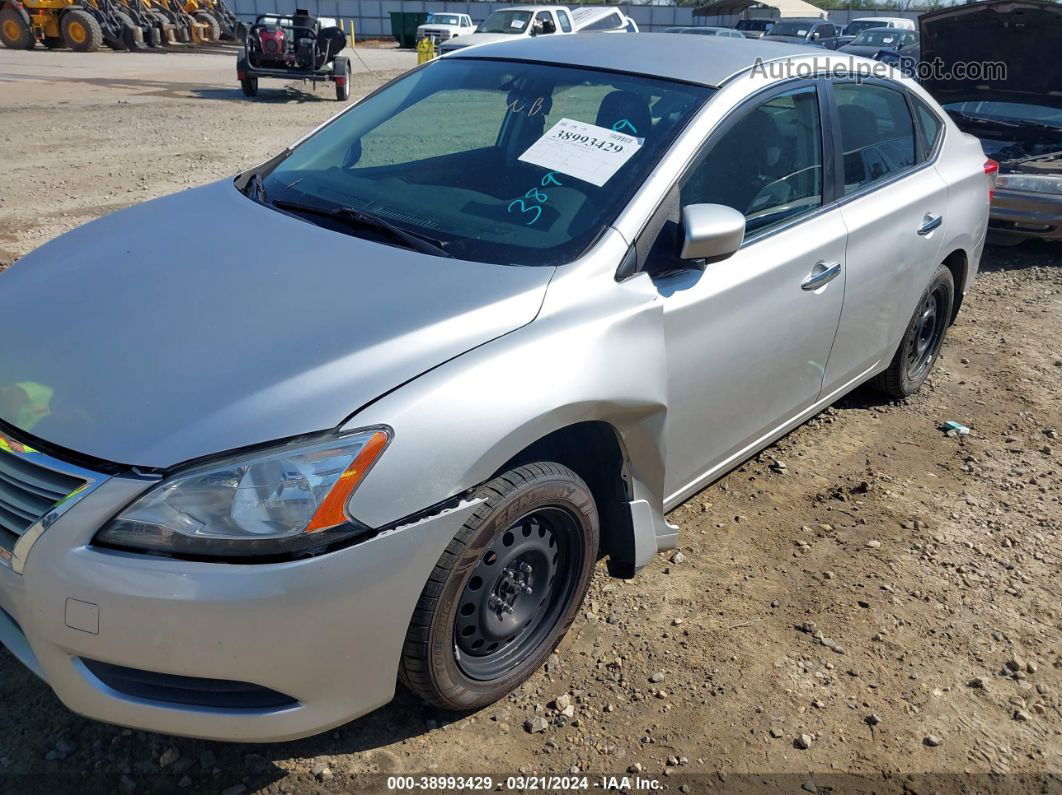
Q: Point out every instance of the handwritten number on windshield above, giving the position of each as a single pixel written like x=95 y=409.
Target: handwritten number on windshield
x=540 y=196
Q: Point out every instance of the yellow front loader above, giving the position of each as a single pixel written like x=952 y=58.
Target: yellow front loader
x=81 y=25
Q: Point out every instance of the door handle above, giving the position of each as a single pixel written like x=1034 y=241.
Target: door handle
x=929 y=223
x=823 y=273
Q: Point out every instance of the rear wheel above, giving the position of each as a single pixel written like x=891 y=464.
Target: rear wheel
x=15 y=32
x=249 y=86
x=81 y=31
x=921 y=343
x=505 y=590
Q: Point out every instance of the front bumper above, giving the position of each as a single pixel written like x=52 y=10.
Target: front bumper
x=1019 y=214
x=326 y=631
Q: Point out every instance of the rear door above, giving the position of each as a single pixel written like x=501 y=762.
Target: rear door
x=894 y=205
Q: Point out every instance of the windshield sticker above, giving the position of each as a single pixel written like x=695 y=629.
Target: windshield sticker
x=584 y=151
x=516 y=23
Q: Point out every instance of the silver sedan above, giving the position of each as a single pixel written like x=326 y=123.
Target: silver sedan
x=377 y=418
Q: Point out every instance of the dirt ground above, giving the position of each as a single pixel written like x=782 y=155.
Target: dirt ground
x=886 y=595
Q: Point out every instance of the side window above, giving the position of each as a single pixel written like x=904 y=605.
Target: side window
x=767 y=165
x=931 y=125
x=565 y=23
x=826 y=32
x=877 y=133
x=544 y=22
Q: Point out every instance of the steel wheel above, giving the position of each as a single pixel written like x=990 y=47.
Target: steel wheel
x=918 y=349
x=505 y=589
x=517 y=592
x=930 y=323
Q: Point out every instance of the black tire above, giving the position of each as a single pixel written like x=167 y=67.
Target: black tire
x=522 y=592
x=81 y=32
x=15 y=32
x=213 y=26
x=249 y=86
x=921 y=342
x=343 y=91
x=53 y=43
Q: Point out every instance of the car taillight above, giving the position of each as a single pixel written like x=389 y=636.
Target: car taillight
x=991 y=171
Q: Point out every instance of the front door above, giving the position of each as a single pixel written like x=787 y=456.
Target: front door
x=749 y=337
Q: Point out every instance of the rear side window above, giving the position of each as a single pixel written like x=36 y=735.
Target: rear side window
x=931 y=126
x=565 y=23
x=877 y=133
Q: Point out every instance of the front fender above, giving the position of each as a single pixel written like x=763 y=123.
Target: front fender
x=595 y=353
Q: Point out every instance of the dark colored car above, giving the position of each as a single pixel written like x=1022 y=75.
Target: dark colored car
x=816 y=32
x=1016 y=111
x=754 y=28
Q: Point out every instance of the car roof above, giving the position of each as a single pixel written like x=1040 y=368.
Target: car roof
x=707 y=60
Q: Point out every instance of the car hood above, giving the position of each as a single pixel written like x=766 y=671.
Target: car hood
x=204 y=322
x=1023 y=34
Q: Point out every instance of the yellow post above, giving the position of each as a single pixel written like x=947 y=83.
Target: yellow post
x=351 y=34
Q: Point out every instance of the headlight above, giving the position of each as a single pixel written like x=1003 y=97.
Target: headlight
x=289 y=499
x=1032 y=184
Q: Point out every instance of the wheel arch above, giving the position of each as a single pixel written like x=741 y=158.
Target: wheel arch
x=595 y=451
x=958 y=263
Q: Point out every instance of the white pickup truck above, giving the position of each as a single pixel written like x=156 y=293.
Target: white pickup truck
x=442 y=27
x=521 y=21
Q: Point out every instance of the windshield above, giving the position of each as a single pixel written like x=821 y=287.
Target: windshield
x=801 y=29
x=886 y=37
x=502 y=162
x=505 y=22
x=1011 y=112
x=857 y=27
x=754 y=24
x=443 y=19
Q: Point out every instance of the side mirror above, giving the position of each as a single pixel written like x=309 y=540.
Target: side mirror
x=711 y=232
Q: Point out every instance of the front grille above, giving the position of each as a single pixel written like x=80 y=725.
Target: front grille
x=192 y=691
x=28 y=491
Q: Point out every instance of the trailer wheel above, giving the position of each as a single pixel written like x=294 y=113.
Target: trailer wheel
x=81 y=31
x=15 y=31
x=213 y=26
x=249 y=86
x=342 y=78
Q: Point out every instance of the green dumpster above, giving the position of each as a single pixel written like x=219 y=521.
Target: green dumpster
x=404 y=26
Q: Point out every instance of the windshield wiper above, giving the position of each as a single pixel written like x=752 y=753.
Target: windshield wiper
x=353 y=218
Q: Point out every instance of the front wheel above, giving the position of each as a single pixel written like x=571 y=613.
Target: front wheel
x=921 y=343
x=15 y=32
x=505 y=590
x=80 y=30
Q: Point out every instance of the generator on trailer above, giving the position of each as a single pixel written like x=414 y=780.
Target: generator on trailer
x=291 y=47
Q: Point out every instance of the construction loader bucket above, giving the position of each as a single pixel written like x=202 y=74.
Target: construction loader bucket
x=200 y=33
x=133 y=38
